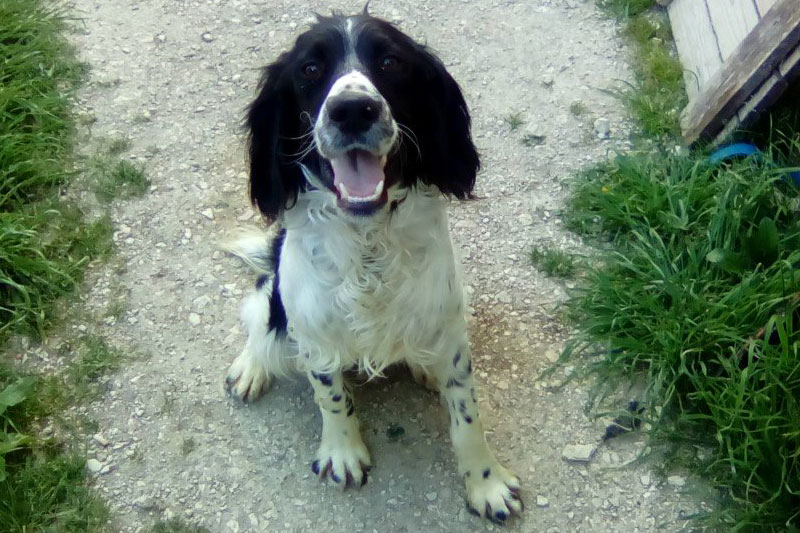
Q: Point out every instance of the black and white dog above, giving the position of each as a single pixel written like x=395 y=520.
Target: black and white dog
x=357 y=138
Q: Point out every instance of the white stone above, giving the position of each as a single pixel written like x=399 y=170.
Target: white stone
x=578 y=452
x=194 y=319
x=676 y=481
x=541 y=501
x=94 y=466
x=602 y=127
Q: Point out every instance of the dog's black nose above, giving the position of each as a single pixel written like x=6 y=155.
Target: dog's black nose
x=354 y=114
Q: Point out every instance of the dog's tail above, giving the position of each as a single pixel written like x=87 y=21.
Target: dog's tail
x=255 y=248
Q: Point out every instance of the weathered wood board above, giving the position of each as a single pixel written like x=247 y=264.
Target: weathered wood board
x=732 y=21
x=696 y=43
x=739 y=57
x=763 y=6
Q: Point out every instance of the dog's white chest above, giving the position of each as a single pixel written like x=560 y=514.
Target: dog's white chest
x=372 y=294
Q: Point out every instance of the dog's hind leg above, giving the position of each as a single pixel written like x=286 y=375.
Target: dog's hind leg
x=267 y=349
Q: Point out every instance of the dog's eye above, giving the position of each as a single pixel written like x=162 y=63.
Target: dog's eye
x=312 y=71
x=390 y=64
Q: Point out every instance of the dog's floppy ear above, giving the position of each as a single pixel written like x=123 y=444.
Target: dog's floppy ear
x=449 y=158
x=275 y=179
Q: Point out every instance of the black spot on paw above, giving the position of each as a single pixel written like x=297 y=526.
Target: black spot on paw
x=315 y=466
x=337 y=398
x=457 y=358
x=487 y=473
x=468 y=419
x=453 y=382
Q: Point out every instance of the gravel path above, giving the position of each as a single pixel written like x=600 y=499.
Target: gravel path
x=174 y=76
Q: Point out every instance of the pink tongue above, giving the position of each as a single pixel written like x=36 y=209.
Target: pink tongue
x=359 y=171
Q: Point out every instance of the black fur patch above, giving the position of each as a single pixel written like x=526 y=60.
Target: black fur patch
x=261 y=281
x=277 y=313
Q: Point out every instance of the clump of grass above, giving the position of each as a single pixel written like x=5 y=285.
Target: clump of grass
x=188 y=445
x=626 y=8
x=44 y=249
x=175 y=525
x=514 y=120
x=118 y=145
x=118 y=179
x=45 y=246
x=42 y=483
x=532 y=139
x=702 y=295
x=578 y=108
x=37 y=75
x=554 y=262
x=44 y=243
x=657 y=95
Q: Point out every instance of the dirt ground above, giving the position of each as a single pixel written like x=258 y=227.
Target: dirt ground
x=174 y=76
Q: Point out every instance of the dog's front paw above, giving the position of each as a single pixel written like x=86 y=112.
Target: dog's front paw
x=247 y=379
x=493 y=493
x=345 y=461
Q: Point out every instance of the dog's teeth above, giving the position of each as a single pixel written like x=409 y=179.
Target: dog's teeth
x=345 y=195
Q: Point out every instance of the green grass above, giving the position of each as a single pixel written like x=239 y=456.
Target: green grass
x=657 y=94
x=554 y=262
x=578 y=109
x=626 y=8
x=117 y=179
x=531 y=139
x=37 y=75
x=700 y=292
x=42 y=482
x=46 y=244
x=176 y=526
x=188 y=445
x=514 y=120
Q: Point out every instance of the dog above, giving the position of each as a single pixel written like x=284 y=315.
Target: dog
x=357 y=139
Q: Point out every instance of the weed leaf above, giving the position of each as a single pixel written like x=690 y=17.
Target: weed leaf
x=15 y=393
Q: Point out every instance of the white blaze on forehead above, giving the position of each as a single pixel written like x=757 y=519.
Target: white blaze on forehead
x=354 y=82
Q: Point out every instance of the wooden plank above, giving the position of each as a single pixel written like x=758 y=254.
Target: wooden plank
x=769 y=93
x=790 y=66
x=764 y=6
x=697 y=46
x=766 y=95
x=770 y=42
x=732 y=21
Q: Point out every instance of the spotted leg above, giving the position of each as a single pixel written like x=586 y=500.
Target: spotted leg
x=492 y=491
x=342 y=455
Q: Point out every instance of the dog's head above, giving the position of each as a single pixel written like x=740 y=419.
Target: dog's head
x=359 y=107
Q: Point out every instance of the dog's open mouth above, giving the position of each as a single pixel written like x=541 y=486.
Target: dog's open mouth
x=359 y=181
